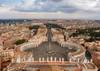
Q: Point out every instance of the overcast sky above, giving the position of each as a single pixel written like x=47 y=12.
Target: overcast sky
x=67 y=9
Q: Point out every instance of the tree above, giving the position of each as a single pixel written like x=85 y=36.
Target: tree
x=21 y=41
x=88 y=55
x=99 y=69
x=34 y=27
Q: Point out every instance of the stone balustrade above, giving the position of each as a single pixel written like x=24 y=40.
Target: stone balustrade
x=40 y=59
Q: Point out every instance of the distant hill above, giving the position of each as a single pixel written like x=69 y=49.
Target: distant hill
x=57 y=21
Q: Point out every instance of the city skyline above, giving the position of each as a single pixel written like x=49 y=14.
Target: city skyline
x=60 y=9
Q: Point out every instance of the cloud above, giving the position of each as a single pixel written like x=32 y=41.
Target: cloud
x=5 y=9
x=67 y=6
x=55 y=5
x=63 y=8
x=93 y=5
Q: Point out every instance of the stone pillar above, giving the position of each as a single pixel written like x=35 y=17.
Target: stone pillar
x=85 y=60
x=32 y=59
x=55 y=59
x=91 y=61
x=51 y=59
x=39 y=59
x=59 y=59
x=78 y=60
x=18 y=59
x=42 y=59
x=12 y=60
x=47 y=59
x=70 y=60
x=62 y=59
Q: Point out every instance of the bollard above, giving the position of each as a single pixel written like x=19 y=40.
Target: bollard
x=39 y=59
x=51 y=59
x=47 y=59
x=43 y=59
x=33 y=59
x=91 y=60
x=55 y=59
x=62 y=59
x=78 y=60
x=70 y=60
x=59 y=59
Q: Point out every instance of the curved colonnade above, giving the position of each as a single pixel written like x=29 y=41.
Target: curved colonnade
x=76 y=51
x=33 y=43
x=73 y=56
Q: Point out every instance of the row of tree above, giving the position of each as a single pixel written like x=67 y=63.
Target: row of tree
x=92 y=33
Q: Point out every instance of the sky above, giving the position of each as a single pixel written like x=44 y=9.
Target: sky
x=53 y=9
